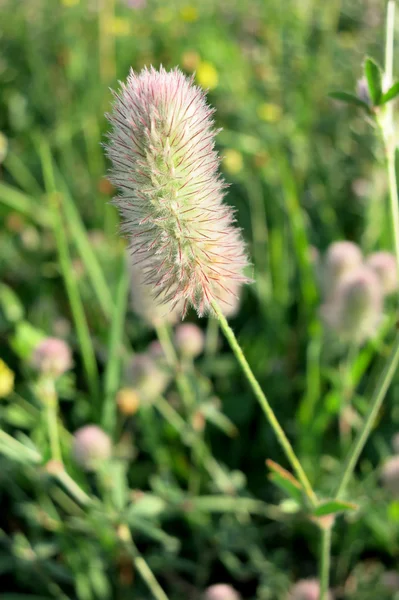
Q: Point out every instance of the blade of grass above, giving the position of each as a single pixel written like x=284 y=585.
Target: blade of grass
x=87 y=255
x=21 y=174
x=24 y=204
x=115 y=345
x=75 y=301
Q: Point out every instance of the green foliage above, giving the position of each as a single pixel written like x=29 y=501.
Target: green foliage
x=185 y=490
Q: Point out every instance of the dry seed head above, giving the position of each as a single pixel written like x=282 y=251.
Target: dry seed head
x=384 y=266
x=355 y=309
x=341 y=258
x=221 y=591
x=166 y=169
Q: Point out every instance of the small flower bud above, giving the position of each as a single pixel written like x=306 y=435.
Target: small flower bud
x=147 y=376
x=52 y=356
x=355 y=309
x=341 y=258
x=221 y=591
x=128 y=401
x=307 y=589
x=166 y=168
x=91 y=445
x=384 y=266
x=390 y=476
x=189 y=340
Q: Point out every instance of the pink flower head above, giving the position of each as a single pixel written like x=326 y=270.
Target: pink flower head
x=166 y=168
x=354 y=311
x=384 y=265
x=91 y=446
x=52 y=356
x=221 y=591
x=306 y=589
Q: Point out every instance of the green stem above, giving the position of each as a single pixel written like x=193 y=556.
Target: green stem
x=325 y=553
x=267 y=409
x=375 y=405
x=144 y=570
x=51 y=401
x=211 y=340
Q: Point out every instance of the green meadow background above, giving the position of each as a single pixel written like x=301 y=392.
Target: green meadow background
x=303 y=171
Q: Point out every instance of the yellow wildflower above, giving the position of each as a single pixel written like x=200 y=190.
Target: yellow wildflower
x=269 y=112
x=207 y=75
x=119 y=27
x=6 y=380
x=189 y=13
x=232 y=161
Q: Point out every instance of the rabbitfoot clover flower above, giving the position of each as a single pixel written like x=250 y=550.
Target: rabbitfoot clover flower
x=166 y=169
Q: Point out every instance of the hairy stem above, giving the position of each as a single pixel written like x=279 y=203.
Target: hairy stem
x=267 y=409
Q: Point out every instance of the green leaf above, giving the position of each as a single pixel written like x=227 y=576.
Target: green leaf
x=349 y=99
x=331 y=507
x=390 y=94
x=373 y=75
x=285 y=481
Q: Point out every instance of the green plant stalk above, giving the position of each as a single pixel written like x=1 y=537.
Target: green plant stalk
x=377 y=399
x=267 y=409
x=51 y=401
x=325 y=559
x=115 y=345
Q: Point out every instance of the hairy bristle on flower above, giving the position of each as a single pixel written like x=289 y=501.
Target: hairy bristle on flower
x=166 y=169
x=153 y=311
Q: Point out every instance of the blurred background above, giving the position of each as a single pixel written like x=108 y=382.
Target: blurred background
x=188 y=484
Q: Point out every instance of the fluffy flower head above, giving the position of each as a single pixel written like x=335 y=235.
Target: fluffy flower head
x=384 y=265
x=221 y=591
x=91 y=445
x=355 y=309
x=166 y=168
x=341 y=258
x=307 y=589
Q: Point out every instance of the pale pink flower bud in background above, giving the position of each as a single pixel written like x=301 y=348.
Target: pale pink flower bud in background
x=307 y=589
x=189 y=340
x=52 y=356
x=221 y=591
x=146 y=306
x=147 y=376
x=166 y=169
x=355 y=309
x=390 y=476
x=390 y=580
x=91 y=445
x=341 y=258
x=384 y=265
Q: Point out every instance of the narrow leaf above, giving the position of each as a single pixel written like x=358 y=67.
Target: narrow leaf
x=349 y=99
x=373 y=75
x=331 y=507
x=285 y=481
x=390 y=94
